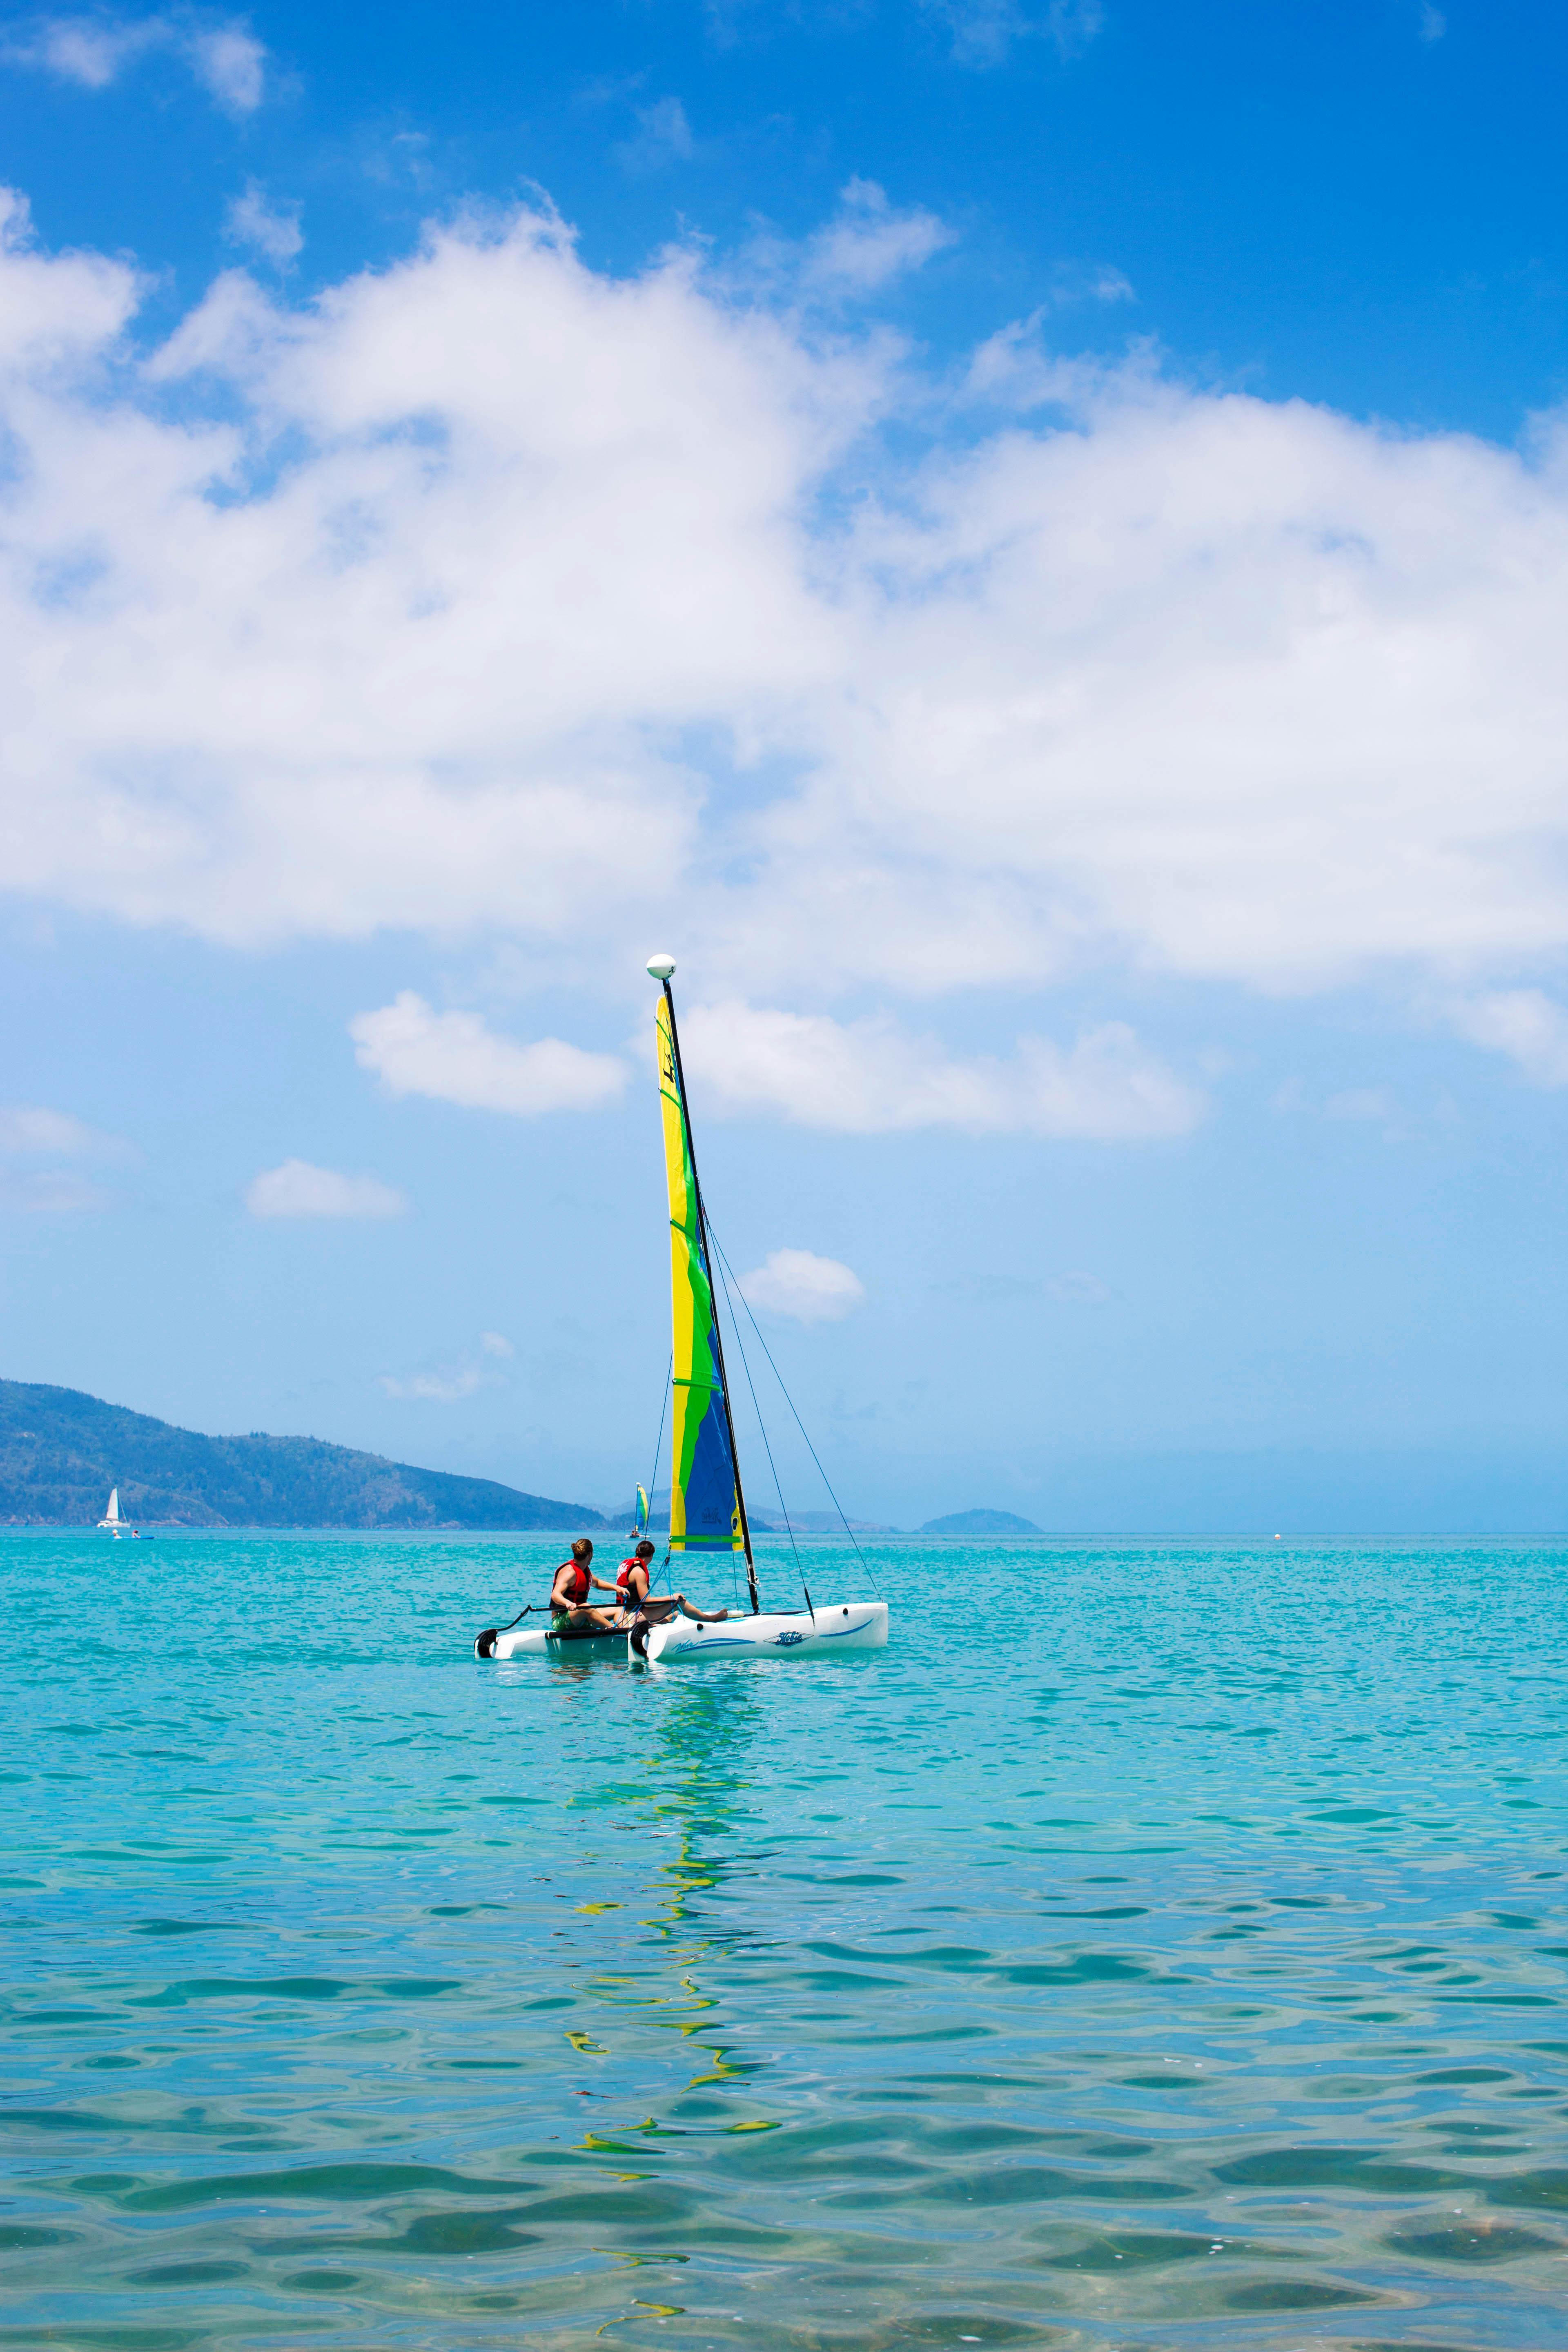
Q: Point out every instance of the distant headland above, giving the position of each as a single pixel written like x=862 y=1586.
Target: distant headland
x=980 y=1523
x=61 y=1451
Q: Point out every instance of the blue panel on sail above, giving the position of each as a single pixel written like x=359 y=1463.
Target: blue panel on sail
x=712 y=1516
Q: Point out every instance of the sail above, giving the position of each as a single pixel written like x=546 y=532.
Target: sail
x=704 y=1502
x=113 y=1510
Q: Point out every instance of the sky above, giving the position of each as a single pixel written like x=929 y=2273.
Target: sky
x=1026 y=545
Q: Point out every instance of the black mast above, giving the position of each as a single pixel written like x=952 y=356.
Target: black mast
x=718 y=1333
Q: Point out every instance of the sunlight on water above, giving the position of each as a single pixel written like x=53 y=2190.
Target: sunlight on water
x=1177 y=1960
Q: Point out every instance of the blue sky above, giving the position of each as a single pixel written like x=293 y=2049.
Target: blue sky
x=1029 y=547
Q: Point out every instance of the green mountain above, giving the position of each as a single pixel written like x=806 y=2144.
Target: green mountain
x=980 y=1523
x=61 y=1453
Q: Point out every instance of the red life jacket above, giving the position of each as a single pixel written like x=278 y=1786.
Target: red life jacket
x=579 y=1580
x=624 y=1578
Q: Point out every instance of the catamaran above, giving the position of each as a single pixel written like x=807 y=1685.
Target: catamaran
x=707 y=1499
x=112 y=1521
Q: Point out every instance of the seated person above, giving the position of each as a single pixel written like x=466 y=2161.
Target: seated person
x=632 y=1578
x=632 y=1589
x=569 y=1613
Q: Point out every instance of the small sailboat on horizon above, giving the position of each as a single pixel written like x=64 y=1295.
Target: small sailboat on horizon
x=707 y=1498
x=111 y=1523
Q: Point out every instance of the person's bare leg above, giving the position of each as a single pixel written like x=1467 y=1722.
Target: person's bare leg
x=595 y=1620
x=702 y=1616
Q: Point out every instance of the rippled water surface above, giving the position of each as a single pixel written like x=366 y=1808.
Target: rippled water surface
x=1174 y=1958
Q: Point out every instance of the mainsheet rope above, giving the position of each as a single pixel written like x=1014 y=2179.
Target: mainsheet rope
x=657 y=1445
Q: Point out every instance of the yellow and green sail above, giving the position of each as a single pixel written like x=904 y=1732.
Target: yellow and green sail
x=704 y=1497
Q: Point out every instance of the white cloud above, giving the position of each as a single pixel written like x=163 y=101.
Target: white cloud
x=1073 y=24
x=1078 y=1289
x=274 y=233
x=869 y=242
x=432 y=1388
x=93 y=51
x=1526 y=1025
x=1080 y=281
x=231 y=64
x=456 y=1376
x=485 y=588
x=983 y=31
x=28 y=1129
x=1433 y=23
x=454 y=1058
x=663 y=136
x=30 y=1133
x=88 y=51
x=797 y=1282
x=870 y=1077
x=299 y=1190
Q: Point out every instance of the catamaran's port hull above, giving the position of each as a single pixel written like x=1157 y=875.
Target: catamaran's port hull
x=826 y=1633
x=535 y=1642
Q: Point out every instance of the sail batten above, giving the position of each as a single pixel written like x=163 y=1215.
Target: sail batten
x=706 y=1512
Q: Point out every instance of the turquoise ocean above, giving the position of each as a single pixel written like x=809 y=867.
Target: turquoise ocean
x=1171 y=1955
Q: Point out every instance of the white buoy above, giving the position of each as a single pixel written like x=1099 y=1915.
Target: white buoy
x=661 y=967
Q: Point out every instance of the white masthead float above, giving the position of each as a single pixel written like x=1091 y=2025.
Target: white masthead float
x=707 y=1499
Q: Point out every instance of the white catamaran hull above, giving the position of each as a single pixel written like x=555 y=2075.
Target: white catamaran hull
x=825 y=1632
x=535 y=1642
x=781 y=1634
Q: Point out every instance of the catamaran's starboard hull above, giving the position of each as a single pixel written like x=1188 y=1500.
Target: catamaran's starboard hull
x=840 y=1625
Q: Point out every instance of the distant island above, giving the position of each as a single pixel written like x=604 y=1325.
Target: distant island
x=61 y=1451
x=980 y=1523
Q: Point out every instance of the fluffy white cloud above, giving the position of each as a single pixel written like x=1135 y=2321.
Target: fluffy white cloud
x=1078 y=1289
x=432 y=671
x=274 y=232
x=456 y=1376
x=28 y=1129
x=299 y=1190
x=231 y=64
x=1526 y=1025
x=663 y=136
x=454 y=1058
x=983 y=31
x=93 y=51
x=31 y=1135
x=871 y=242
x=799 y=1284
x=486 y=588
x=870 y=1077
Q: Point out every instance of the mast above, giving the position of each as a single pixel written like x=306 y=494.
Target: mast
x=663 y=979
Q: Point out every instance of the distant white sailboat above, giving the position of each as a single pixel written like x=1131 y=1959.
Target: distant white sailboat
x=112 y=1521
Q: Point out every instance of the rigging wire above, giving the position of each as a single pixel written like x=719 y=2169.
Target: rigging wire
x=658 y=1442
x=762 y=1424
x=728 y=1271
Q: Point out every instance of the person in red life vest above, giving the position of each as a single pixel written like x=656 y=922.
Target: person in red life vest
x=632 y=1582
x=569 y=1612
x=632 y=1578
